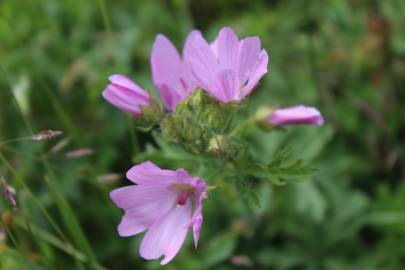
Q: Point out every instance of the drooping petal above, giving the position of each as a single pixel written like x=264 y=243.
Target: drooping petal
x=148 y=173
x=295 y=116
x=198 y=54
x=166 y=235
x=143 y=204
x=196 y=221
x=257 y=72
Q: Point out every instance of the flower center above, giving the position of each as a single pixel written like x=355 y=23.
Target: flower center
x=182 y=199
x=184 y=191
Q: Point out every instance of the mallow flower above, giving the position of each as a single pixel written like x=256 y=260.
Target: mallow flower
x=171 y=74
x=295 y=116
x=227 y=68
x=126 y=95
x=163 y=203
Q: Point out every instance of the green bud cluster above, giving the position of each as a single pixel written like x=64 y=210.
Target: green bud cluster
x=199 y=124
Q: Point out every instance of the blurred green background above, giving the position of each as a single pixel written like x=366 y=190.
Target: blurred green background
x=345 y=57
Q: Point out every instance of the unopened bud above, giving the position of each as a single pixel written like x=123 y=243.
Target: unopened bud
x=169 y=129
x=195 y=121
x=152 y=113
x=126 y=95
x=221 y=146
x=260 y=118
x=46 y=135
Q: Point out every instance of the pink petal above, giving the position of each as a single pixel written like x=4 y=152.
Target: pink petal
x=125 y=82
x=143 y=204
x=169 y=96
x=187 y=78
x=198 y=54
x=295 y=116
x=249 y=50
x=227 y=46
x=111 y=94
x=197 y=224
x=166 y=63
x=126 y=95
x=197 y=220
x=148 y=173
x=166 y=235
x=214 y=47
x=225 y=87
x=166 y=71
x=257 y=73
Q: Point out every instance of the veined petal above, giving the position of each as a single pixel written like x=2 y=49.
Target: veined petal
x=126 y=95
x=166 y=63
x=124 y=82
x=169 y=96
x=227 y=46
x=198 y=54
x=249 y=50
x=125 y=103
x=225 y=87
x=166 y=235
x=148 y=173
x=142 y=205
x=257 y=73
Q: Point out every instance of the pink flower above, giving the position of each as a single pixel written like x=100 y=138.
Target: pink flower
x=126 y=95
x=171 y=75
x=229 y=68
x=295 y=115
x=164 y=203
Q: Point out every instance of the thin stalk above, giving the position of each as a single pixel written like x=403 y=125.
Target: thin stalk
x=106 y=19
x=52 y=239
x=34 y=198
x=67 y=213
x=132 y=134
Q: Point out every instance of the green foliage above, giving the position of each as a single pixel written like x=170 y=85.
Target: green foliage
x=279 y=173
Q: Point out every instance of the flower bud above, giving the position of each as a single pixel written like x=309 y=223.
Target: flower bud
x=129 y=97
x=297 y=115
x=260 y=118
x=195 y=121
x=221 y=146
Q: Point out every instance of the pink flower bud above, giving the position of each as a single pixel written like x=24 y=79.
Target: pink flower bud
x=297 y=115
x=126 y=95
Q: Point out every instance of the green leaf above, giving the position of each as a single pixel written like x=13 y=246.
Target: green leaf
x=279 y=171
